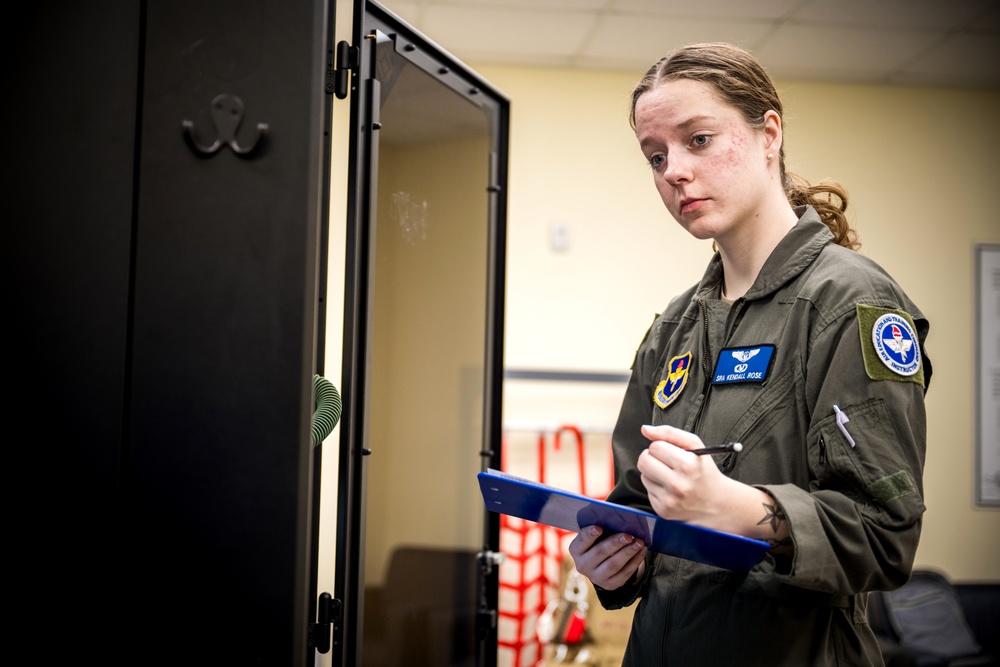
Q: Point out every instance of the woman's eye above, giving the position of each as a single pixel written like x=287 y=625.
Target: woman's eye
x=657 y=160
x=701 y=140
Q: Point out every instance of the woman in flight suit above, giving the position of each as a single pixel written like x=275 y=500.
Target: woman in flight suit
x=794 y=345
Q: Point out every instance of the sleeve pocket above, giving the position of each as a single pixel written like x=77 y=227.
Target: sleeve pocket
x=873 y=471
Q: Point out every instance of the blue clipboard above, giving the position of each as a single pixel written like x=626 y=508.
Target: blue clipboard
x=541 y=503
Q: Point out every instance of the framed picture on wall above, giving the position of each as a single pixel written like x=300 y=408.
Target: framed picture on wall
x=988 y=375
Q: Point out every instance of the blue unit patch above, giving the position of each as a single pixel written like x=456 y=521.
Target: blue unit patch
x=743 y=364
x=677 y=377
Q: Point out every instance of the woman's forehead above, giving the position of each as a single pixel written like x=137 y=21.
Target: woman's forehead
x=681 y=102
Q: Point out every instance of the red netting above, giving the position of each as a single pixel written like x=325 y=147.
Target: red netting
x=529 y=578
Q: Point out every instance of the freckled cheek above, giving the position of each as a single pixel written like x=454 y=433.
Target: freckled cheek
x=735 y=154
x=717 y=171
x=726 y=162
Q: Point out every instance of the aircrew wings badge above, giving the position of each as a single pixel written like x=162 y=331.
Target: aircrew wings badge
x=677 y=376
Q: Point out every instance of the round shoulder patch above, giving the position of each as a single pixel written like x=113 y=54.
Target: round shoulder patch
x=896 y=344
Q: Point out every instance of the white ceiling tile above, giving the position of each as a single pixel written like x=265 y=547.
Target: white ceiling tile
x=526 y=4
x=840 y=52
x=988 y=23
x=844 y=40
x=542 y=33
x=411 y=12
x=939 y=14
x=624 y=42
x=962 y=59
x=769 y=9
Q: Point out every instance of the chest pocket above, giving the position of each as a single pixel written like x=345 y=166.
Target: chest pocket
x=769 y=428
x=768 y=408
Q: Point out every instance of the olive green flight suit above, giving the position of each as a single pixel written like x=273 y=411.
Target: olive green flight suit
x=854 y=510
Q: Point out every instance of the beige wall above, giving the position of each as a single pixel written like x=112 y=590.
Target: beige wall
x=428 y=349
x=920 y=164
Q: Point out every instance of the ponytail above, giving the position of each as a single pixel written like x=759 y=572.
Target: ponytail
x=829 y=198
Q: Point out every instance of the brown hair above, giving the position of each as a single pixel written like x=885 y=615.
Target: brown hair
x=741 y=81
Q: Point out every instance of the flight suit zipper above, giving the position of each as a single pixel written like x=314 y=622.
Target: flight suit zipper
x=730 y=458
x=704 y=348
x=706 y=384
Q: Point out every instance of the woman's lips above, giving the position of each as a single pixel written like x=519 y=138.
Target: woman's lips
x=691 y=205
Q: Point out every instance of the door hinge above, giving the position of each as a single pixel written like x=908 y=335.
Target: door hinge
x=338 y=75
x=328 y=617
x=486 y=622
x=490 y=559
x=486 y=618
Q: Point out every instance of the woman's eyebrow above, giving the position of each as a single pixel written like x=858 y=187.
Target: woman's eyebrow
x=694 y=119
x=683 y=125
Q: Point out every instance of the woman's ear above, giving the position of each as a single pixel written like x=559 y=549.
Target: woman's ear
x=772 y=131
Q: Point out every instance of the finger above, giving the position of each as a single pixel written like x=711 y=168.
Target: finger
x=674 y=436
x=609 y=548
x=584 y=540
x=652 y=471
x=661 y=463
x=601 y=561
x=616 y=569
x=633 y=564
x=654 y=486
x=662 y=482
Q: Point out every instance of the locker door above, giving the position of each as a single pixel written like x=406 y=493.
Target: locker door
x=168 y=297
x=219 y=475
x=424 y=366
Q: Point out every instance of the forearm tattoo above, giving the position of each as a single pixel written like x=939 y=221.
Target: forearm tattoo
x=774 y=516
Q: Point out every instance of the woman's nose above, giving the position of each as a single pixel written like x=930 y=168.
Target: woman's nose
x=677 y=170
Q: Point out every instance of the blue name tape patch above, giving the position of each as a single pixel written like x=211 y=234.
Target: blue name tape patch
x=743 y=364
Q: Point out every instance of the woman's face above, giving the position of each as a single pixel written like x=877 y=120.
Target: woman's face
x=709 y=166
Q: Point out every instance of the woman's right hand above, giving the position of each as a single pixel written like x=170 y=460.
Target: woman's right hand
x=610 y=562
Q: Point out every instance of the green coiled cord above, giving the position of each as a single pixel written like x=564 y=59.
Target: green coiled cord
x=328 y=408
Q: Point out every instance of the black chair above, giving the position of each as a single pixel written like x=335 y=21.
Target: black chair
x=930 y=622
x=425 y=614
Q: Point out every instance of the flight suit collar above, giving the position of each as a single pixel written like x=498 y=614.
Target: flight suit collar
x=797 y=250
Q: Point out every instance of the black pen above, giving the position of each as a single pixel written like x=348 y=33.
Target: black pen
x=723 y=449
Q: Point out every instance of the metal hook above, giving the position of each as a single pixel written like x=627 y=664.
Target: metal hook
x=227 y=115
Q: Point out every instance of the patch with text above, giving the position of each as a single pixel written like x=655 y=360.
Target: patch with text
x=743 y=364
x=890 y=345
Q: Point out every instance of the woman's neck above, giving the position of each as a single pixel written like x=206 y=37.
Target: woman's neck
x=744 y=254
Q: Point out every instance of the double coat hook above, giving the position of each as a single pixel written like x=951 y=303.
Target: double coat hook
x=227 y=115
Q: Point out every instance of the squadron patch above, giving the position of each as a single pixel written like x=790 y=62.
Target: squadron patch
x=677 y=377
x=743 y=364
x=889 y=343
